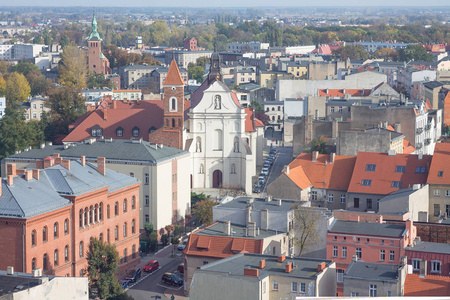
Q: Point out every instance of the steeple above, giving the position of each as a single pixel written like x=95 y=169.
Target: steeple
x=214 y=70
x=173 y=75
x=94 y=34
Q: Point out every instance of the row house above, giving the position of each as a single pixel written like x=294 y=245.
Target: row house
x=275 y=111
x=432 y=258
x=49 y=214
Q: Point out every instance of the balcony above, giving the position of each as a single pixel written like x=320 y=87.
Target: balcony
x=427 y=141
x=419 y=130
x=428 y=126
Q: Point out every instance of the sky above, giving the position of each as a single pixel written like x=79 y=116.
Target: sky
x=228 y=3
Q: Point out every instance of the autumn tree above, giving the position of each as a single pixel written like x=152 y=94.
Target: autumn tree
x=17 y=88
x=2 y=87
x=386 y=54
x=202 y=211
x=103 y=263
x=38 y=83
x=304 y=233
x=159 y=32
x=317 y=144
x=73 y=67
x=352 y=52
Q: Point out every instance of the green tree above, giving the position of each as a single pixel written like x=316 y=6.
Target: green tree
x=197 y=197
x=73 y=67
x=38 y=83
x=202 y=211
x=148 y=229
x=386 y=54
x=305 y=230
x=352 y=52
x=256 y=106
x=17 y=88
x=24 y=68
x=159 y=32
x=196 y=72
x=103 y=263
x=414 y=52
x=318 y=144
x=64 y=41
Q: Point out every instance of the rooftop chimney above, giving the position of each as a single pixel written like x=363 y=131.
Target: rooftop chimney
x=315 y=155
x=10 y=179
x=36 y=174
x=11 y=169
x=380 y=219
x=28 y=175
x=288 y=267
x=105 y=114
x=281 y=258
x=355 y=258
x=279 y=202
x=264 y=219
x=10 y=270
x=268 y=198
x=251 y=229
x=101 y=165
x=227 y=228
x=56 y=155
x=251 y=272
x=286 y=169
x=83 y=160
x=332 y=157
x=58 y=160
x=321 y=266
x=262 y=263
x=66 y=163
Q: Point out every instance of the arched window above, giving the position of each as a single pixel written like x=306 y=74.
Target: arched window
x=33 y=263
x=217 y=102
x=273 y=118
x=100 y=211
x=45 y=262
x=81 y=249
x=66 y=226
x=66 y=253
x=119 y=131
x=218 y=137
x=267 y=109
x=273 y=108
x=107 y=212
x=91 y=215
x=107 y=236
x=135 y=132
x=124 y=205
x=173 y=104
x=279 y=118
x=133 y=251
x=33 y=238
x=96 y=213
x=173 y=122
x=153 y=128
x=125 y=229
x=116 y=208
x=55 y=230
x=125 y=255
x=133 y=226
x=198 y=144
x=100 y=237
x=55 y=257
x=233 y=169
x=201 y=169
x=116 y=233
x=86 y=219
x=279 y=108
x=81 y=218
x=133 y=202
x=44 y=234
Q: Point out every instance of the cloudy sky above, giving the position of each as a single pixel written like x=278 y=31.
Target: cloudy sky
x=229 y=3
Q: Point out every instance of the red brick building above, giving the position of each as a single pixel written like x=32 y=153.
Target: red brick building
x=48 y=216
x=436 y=256
x=190 y=44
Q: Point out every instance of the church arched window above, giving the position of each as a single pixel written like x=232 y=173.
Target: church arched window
x=173 y=122
x=173 y=104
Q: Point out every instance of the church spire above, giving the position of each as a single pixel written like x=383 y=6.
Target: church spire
x=94 y=34
x=173 y=75
x=214 y=70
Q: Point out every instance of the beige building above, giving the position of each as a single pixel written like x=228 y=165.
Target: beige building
x=264 y=277
x=127 y=95
x=184 y=58
x=269 y=79
x=165 y=185
x=34 y=108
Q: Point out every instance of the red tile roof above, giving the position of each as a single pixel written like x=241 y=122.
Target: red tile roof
x=440 y=163
x=258 y=123
x=249 y=120
x=173 y=75
x=385 y=174
x=342 y=92
x=407 y=147
x=431 y=285
x=322 y=174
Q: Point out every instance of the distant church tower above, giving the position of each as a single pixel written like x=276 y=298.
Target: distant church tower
x=97 y=62
x=214 y=70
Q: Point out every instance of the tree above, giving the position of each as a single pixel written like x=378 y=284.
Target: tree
x=305 y=230
x=202 y=211
x=414 y=52
x=197 y=198
x=17 y=88
x=148 y=229
x=386 y=54
x=103 y=263
x=196 y=72
x=318 y=144
x=38 y=83
x=73 y=67
x=2 y=86
x=4 y=66
x=24 y=68
x=352 y=52
x=64 y=41
x=256 y=106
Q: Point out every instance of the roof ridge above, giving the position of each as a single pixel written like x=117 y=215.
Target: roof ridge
x=173 y=75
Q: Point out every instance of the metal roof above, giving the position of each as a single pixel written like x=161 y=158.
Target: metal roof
x=364 y=228
x=372 y=271
x=441 y=248
x=236 y=231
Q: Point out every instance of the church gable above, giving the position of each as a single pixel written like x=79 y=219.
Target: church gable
x=217 y=98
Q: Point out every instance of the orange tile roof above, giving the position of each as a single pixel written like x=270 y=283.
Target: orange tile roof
x=322 y=174
x=173 y=75
x=428 y=104
x=249 y=120
x=385 y=173
x=342 y=92
x=431 y=285
x=407 y=147
x=440 y=163
x=258 y=123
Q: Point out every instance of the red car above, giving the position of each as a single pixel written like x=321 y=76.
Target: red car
x=151 y=266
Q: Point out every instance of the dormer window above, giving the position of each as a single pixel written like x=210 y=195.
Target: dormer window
x=370 y=167
x=135 y=132
x=440 y=173
x=119 y=131
x=96 y=131
x=152 y=129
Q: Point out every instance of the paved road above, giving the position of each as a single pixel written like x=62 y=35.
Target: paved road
x=284 y=157
x=150 y=285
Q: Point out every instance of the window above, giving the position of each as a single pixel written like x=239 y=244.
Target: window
x=100 y=211
x=335 y=251
x=33 y=263
x=66 y=253
x=447 y=193
x=45 y=262
x=371 y=167
x=116 y=233
x=275 y=285
x=81 y=218
x=339 y=275
x=146 y=178
x=302 y=287
x=66 y=226
x=55 y=257
x=435 y=266
x=369 y=203
x=119 y=131
x=382 y=242
x=107 y=236
x=340 y=109
x=354 y=294
x=344 y=252
x=147 y=219
x=358 y=240
x=396 y=184
x=437 y=209
x=400 y=169
x=133 y=251
x=391 y=255
x=314 y=195
x=294 y=287
x=55 y=230
x=147 y=200
x=100 y=237
x=366 y=182
x=335 y=238
x=44 y=234
x=373 y=290
x=133 y=202
x=356 y=202
x=332 y=109
x=125 y=255
x=436 y=193
x=330 y=197
x=95 y=213
x=440 y=173
x=133 y=226
x=33 y=238
x=342 y=198
x=344 y=239
x=96 y=132
x=359 y=253
x=135 y=132
x=81 y=249
x=415 y=264
x=107 y=212
x=388 y=293
x=116 y=208
x=173 y=104
x=382 y=255
x=124 y=205
x=367 y=241
x=420 y=170
x=392 y=243
x=125 y=229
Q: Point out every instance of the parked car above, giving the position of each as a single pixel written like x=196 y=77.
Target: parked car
x=182 y=245
x=256 y=189
x=151 y=266
x=172 y=279
x=181 y=268
x=133 y=275
x=265 y=171
x=124 y=283
x=262 y=178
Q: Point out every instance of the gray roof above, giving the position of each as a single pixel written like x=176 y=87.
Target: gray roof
x=234 y=265
x=400 y=193
x=139 y=67
x=119 y=150
x=441 y=248
x=274 y=103
x=433 y=84
x=248 y=87
x=364 y=228
x=258 y=204
x=25 y=199
x=372 y=271
x=394 y=134
x=18 y=281
x=236 y=231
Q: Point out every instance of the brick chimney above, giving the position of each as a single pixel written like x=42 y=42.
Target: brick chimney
x=321 y=266
x=10 y=179
x=251 y=272
x=66 y=163
x=56 y=155
x=11 y=169
x=28 y=175
x=83 y=160
x=315 y=155
x=58 y=160
x=48 y=162
x=281 y=258
x=20 y=171
x=39 y=164
x=412 y=232
x=36 y=174
x=105 y=114
x=262 y=263
x=101 y=168
x=380 y=219
x=288 y=267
